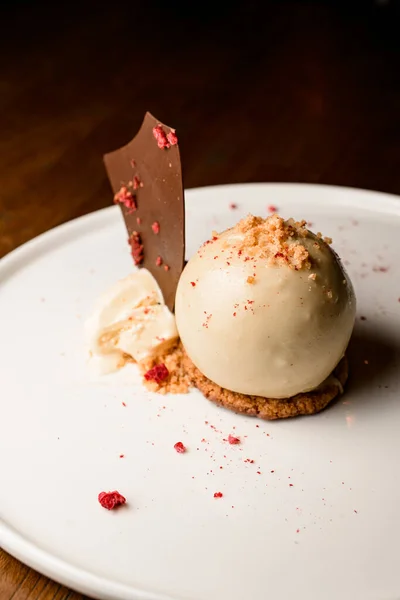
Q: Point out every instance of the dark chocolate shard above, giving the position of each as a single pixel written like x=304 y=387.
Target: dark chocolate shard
x=146 y=178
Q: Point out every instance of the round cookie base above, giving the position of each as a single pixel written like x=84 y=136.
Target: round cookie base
x=307 y=403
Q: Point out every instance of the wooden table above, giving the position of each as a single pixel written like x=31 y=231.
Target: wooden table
x=291 y=91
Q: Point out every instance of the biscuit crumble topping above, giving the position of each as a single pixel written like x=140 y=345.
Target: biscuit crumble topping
x=274 y=239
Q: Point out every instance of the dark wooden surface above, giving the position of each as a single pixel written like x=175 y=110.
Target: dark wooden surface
x=280 y=91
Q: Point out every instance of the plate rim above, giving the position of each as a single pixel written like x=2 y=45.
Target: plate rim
x=392 y=202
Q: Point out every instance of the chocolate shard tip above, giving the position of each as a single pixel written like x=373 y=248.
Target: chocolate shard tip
x=146 y=178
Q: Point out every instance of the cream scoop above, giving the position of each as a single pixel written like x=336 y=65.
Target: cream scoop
x=265 y=308
x=129 y=319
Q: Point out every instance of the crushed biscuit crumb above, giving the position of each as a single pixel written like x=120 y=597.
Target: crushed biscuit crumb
x=178 y=381
x=183 y=375
x=250 y=279
x=273 y=239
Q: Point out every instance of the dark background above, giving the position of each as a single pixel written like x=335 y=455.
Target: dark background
x=258 y=91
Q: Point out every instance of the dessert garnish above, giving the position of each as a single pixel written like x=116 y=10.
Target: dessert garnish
x=146 y=179
x=111 y=500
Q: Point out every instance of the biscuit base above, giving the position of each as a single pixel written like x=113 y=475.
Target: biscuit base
x=307 y=403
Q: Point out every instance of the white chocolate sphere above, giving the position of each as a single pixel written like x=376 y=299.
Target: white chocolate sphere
x=265 y=308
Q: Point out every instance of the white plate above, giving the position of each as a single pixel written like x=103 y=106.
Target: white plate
x=316 y=516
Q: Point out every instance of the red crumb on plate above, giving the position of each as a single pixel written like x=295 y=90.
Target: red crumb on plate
x=233 y=440
x=179 y=447
x=218 y=495
x=159 y=261
x=110 y=500
x=233 y=206
x=272 y=209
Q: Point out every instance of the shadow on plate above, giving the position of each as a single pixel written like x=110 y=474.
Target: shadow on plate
x=374 y=364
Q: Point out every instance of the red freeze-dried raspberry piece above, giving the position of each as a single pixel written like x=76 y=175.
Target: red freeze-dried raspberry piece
x=233 y=440
x=136 y=182
x=135 y=242
x=179 y=447
x=159 y=261
x=158 y=373
x=218 y=495
x=110 y=500
x=156 y=227
x=125 y=197
x=272 y=209
x=159 y=134
x=172 y=138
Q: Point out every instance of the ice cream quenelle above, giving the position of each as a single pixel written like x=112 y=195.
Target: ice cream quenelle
x=130 y=321
x=265 y=308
